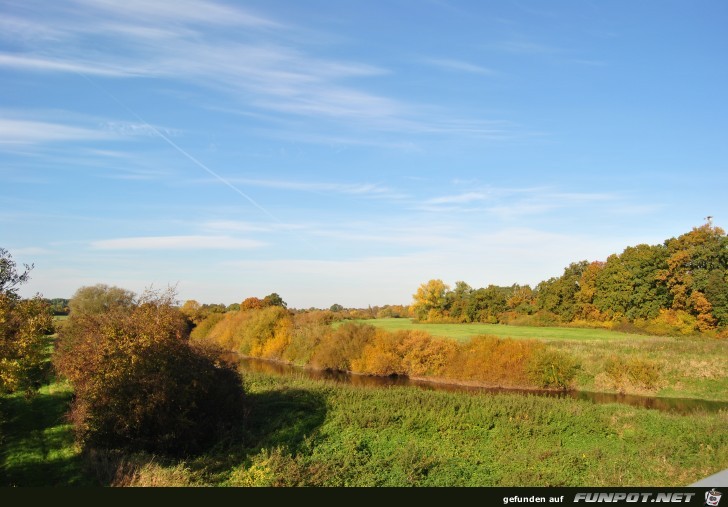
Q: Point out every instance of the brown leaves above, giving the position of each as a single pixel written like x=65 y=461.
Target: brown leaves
x=140 y=384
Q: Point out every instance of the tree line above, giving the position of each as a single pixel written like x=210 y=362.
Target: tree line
x=677 y=287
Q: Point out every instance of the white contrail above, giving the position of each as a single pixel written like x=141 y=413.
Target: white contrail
x=183 y=152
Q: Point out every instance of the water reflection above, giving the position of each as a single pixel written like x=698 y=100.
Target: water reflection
x=679 y=405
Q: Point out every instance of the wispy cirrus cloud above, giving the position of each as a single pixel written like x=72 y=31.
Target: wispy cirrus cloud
x=125 y=128
x=458 y=198
x=512 y=202
x=24 y=131
x=186 y=11
x=91 y=68
x=458 y=65
x=242 y=226
x=523 y=46
x=247 y=56
x=192 y=242
x=358 y=189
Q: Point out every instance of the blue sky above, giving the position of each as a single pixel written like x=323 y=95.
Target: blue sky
x=347 y=151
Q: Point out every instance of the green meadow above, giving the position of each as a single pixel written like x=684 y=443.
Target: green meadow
x=466 y=331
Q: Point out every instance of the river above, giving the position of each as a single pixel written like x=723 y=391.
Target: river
x=677 y=405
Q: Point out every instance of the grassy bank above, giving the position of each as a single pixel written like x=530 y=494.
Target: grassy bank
x=304 y=432
x=687 y=367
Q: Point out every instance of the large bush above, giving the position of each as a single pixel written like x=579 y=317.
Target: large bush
x=141 y=385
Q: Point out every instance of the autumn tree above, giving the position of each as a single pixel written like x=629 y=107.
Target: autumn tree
x=430 y=300
x=192 y=310
x=521 y=299
x=23 y=322
x=252 y=303
x=140 y=384
x=696 y=275
x=587 y=290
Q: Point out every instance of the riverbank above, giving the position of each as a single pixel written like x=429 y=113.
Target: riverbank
x=304 y=432
x=278 y=367
x=681 y=367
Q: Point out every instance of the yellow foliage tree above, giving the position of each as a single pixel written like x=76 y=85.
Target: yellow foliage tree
x=430 y=300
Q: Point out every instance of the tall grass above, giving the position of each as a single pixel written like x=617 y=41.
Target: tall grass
x=314 y=433
x=303 y=432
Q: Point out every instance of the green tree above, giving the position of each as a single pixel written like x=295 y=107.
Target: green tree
x=647 y=294
x=59 y=306
x=274 y=300
x=458 y=300
x=100 y=298
x=23 y=322
x=486 y=304
x=558 y=295
x=614 y=287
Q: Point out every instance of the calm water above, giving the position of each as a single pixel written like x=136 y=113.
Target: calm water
x=679 y=405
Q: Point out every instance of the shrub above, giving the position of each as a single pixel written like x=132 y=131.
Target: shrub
x=542 y=318
x=552 y=369
x=249 y=331
x=492 y=360
x=308 y=330
x=140 y=384
x=382 y=355
x=424 y=355
x=641 y=373
x=260 y=327
x=274 y=347
x=673 y=322
x=336 y=350
x=203 y=329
